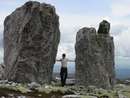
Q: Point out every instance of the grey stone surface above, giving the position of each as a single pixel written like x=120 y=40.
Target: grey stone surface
x=121 y=95
x=104 y=27
x=2 y=67
x=31 y=38
x=33 y=85
x=71 y=96
x=95 y=58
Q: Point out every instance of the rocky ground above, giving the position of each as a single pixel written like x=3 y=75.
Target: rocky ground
x=34 y=90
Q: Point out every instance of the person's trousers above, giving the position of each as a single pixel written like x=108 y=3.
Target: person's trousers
x=63 y=75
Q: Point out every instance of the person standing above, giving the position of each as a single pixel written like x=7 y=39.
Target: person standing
x=64 y=69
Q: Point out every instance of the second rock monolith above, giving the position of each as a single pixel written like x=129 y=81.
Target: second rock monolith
x=95 y=57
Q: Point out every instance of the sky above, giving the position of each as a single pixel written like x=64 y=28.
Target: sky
x=76 y=14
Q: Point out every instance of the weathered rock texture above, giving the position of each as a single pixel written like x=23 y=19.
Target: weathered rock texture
x=2 y=66
x=31 y=38
x=95 y=57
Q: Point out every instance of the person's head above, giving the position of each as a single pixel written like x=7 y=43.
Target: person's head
x=63 y=55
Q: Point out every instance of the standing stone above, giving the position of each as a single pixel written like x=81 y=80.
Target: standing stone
x=95 y=57
x=31 y=38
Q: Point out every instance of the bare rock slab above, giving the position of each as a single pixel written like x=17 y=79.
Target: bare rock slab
x=95 y=57
x=31 y=38
x=71 y=96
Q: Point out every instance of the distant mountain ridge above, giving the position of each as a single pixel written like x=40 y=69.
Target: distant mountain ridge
x=121 y=73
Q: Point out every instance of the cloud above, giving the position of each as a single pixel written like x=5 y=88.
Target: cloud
x=122 y=44
x=70 y=23
x=2 y=17
x=69 y=26
x=120 y=8
x=120 y=29
x=116 y=30
x=122 y=62
x=67 y=49
x=80 y=20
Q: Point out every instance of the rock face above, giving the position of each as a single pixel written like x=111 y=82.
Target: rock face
x=104 y=27
x=95 y=57
x=31 y=38
x=2 y=66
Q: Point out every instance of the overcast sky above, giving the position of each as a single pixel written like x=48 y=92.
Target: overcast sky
x=75 y=14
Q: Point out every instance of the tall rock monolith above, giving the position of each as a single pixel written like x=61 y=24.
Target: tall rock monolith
x=31 y=38
x=95 y=57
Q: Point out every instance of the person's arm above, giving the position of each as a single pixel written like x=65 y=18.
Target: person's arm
x=58 y=60
x=71 y=60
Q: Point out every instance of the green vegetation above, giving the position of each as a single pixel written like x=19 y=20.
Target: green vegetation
x=88 y=92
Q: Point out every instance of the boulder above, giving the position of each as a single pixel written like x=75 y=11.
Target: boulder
x=95 y=57
x=31 y=38
x=120 y=95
